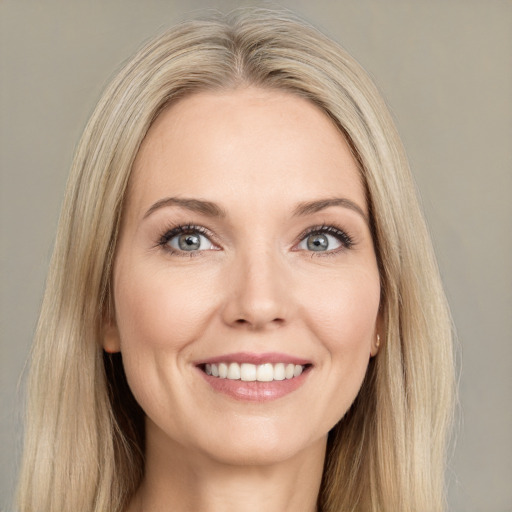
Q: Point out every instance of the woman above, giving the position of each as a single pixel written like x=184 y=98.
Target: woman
x=243 y=308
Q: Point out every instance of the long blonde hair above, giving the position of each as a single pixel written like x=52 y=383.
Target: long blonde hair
x=84 y=441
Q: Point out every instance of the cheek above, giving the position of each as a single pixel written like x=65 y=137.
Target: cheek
x=159 y=315
x=343 y=314
x=161 y=310
x=344 y=320
x=343 y=309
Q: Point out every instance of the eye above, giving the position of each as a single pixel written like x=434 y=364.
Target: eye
x=319 y=242
x=187 y=239
x=190 y=242
x=325 y=239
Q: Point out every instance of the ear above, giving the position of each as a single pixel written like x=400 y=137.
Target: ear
x=377 y=336
x=111 y=341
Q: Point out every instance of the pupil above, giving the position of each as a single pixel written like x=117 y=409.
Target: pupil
x=318 y=243
x=189 y=242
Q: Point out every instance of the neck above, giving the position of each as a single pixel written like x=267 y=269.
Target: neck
x=180 y=480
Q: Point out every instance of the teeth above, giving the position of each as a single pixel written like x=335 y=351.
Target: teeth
x=250 y=372
x=223 y=370
x=279 y=372
x=234 y=371
x=265 y=373
x=298 y=370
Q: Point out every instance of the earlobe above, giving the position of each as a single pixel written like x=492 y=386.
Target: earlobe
x=377 y=340
x=111 y=341
x=375 y=346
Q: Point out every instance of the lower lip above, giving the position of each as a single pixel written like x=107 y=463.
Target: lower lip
x=256 y=391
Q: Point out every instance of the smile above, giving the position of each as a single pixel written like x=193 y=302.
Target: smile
x=247 y=372
x=255 y=377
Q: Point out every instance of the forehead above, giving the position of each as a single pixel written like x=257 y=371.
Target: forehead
x=244 y=145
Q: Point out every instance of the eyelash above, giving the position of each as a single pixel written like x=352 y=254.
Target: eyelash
x=182 y=229
x=347 y=242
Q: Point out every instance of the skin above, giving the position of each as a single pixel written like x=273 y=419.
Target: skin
x=254 y=286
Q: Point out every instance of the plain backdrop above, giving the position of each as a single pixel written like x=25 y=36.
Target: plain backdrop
x=445 y=68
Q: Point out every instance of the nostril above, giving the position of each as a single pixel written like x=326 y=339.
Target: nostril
x=242 y=321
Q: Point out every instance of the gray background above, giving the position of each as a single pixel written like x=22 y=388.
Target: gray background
x=445 y=68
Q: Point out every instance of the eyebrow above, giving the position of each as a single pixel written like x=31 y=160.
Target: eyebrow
x=211 y=209
x=195 y=205
x=310 y=207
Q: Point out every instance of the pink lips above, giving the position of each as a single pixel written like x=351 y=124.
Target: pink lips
x=255 y=391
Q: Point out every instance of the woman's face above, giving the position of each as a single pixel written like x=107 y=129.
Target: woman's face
x=245 y=251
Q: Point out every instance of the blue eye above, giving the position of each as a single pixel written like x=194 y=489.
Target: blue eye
x=190 y=242
x=187 y=239
x=325 y=239
x=320 y=242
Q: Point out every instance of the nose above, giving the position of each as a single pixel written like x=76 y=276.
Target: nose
x=258 y=295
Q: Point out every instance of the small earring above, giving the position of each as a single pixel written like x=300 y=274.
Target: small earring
x=378 y=341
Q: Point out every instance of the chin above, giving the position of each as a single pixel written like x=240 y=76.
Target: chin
x=261 y=447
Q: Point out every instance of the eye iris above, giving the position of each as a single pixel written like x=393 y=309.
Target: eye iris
x=189 y=242
x=318 y=242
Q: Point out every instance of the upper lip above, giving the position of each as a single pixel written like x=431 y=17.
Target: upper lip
x=252 y=358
